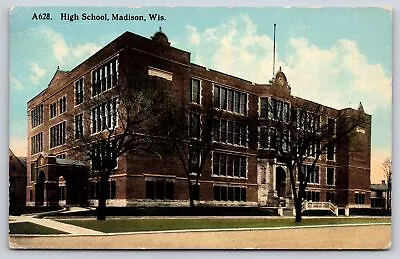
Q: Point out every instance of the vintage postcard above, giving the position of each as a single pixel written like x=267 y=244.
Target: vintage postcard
x=200 y=128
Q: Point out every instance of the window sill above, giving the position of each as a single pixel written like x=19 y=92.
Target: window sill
x=229 y=177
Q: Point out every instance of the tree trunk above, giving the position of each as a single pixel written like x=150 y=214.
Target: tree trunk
x=101 y=208
x=191 y=201
x=298 y=205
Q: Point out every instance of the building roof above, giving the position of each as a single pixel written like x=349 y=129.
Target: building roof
x=378 y=187
x=22 y=160
x=66 y=161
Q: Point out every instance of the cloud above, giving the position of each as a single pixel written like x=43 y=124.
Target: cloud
x=38 y=73
x=16 y=84
x=338 y=76
x=84 y=50
x=57 y=42
x=194 y=35
x=67 y=54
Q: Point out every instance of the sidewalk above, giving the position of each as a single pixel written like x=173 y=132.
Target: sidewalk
x=67 y=228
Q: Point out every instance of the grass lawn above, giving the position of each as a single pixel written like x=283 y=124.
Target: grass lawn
x=31 y=228
x=134 y=225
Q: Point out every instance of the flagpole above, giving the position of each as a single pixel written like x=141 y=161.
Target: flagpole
x=273 y=62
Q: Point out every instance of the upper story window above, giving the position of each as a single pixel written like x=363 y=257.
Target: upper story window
x=105 y=77
x=195 y=125
x=307 y=121
x=62 y=104
x=104 y=116
x=271 y=108
x=230 y=132
x=79 y=91
x=37 y=143
x=330 y=176
x=272 y=138
x=229 y=165
x=331 y=127
x=53 y=110
x=195 y=91
x=58 y=134
x=230 y=100
x=37 y=116
x=78 y=126
x=330 y=152
x=312 y=176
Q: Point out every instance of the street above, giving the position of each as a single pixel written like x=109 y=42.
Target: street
x=338 y=237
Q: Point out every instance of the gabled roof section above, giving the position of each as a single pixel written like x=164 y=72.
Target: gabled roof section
x=57 y=75
x=21 y=160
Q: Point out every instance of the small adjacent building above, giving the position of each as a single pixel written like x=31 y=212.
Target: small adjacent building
x=17 y=183
x=379 y=196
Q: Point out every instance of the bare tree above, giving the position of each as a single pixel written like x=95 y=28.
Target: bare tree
x=190 y=136
x=303 y=133
x=387 y=169
x=124 y=118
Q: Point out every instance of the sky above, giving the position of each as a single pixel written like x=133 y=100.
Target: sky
x=335 y=56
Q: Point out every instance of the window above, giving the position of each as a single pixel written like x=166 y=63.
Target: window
x=230 y=100
x=79 y=126
x=330 y=197
x=37 y=116
x=53 y=110
x=102 y=156
x=312 y=196
x=37 y=143
x=105 y=77
x=195 y=125
x=331 y=127
x=31 y=195
x=330 y=152
x=271 y=138
x=271 y=108
x=359 y=198
x=62 y=104
x=330 y=176
x=229 y=165
x=159 y=189
x=33 y=171
x=113 y=189
x=230 y=132
x=195 y=91
x=217 y=94
x=311 y=175
x=57 y=134
x=104 y=116
x=229 y=193
x=79 y=91
x=307 y=121
x=194 y=161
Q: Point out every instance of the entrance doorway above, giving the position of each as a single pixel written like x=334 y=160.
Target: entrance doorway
x=39 y=191
x=280 y=184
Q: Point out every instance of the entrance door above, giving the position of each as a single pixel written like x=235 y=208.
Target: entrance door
x=39 y=191
x=280 y=185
